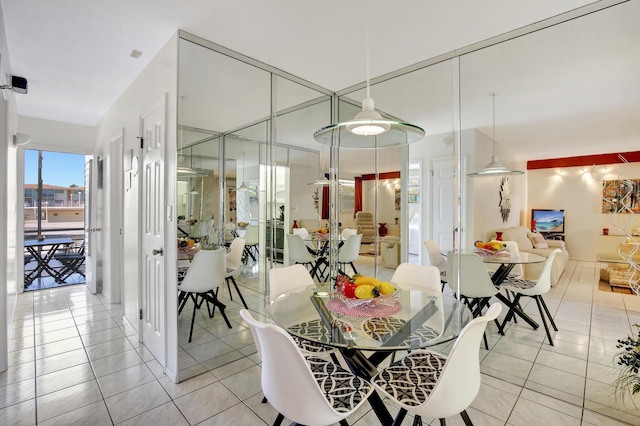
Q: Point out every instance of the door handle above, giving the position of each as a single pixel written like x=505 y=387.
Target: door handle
x=160 y=252
x=89 y=229
x=97 y=229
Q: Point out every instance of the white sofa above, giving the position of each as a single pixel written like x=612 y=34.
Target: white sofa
x=520 y=235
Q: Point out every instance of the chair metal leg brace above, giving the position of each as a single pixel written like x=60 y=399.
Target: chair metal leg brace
x=544 y=321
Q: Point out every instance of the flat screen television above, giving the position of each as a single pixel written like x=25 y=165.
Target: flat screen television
x=547 y=221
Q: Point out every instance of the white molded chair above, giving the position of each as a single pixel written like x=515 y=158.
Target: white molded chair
x=534 y=289
x=287 y=278
x=428 y=384
x=417 y=275
x=347 y=232
x=252 y=238
x=306 y=389
x=230 y=231
x=437 y=259
x=349 y=252
x=298 y=253
x=475 y=284
x=234 y=266
x=206 y=273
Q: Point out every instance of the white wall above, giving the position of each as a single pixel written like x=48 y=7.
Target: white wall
x=386 y=200
x=160 y=77
x=486 y=191
x=57 y=136
x=579 y=194
x=8 y=213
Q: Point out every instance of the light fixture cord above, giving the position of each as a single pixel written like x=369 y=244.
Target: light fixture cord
x=367 y=57
x=494 y=124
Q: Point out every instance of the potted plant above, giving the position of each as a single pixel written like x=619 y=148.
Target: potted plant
x=628 y=382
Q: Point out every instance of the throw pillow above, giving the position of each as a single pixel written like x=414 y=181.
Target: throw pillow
x=538 y=240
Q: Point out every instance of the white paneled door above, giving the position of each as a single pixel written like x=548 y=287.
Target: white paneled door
x=152 y=315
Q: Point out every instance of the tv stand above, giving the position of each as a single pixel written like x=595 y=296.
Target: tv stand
x=552 y=236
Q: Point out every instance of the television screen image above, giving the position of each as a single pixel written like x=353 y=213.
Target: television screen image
x=551 y=221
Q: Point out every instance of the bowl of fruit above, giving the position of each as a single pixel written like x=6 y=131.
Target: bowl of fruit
x=491 y=248
x=362 y=296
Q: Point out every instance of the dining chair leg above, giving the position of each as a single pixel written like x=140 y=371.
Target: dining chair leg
x=443 y=422
x=465 y=418
x=399 y=417
x=229 y=289
x=278 y=420
x=544 y=305
x=544 y=321
x=344 y=422
x=417 y=421
x=237 y=291
x=193 y=316
x=355 y=271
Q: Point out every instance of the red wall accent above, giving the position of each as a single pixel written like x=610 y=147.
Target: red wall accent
x=386 y=175
x=585 y=160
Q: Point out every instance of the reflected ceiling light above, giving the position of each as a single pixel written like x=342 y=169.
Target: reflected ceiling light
x=189 y=172
x=495 y=168
x=368 y=122
x=243 y=186
x=322 y=179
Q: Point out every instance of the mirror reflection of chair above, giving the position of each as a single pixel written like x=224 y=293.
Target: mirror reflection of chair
x=534 y=289
x=304 y=389
x=298 y=253
x=349 y=253
x=230 y=231
x=365 y=226
x=347 y=232
x=437 y=259
x=252 y=238
x=206 y=273
x=234 y=267
x=304 y=234
x=430 y=385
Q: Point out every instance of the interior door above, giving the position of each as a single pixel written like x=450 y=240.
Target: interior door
x=442 y=197
x=152 y=312
x=89 y=221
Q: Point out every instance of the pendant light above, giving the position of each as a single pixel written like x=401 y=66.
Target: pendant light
x=243 y=186
x=368 y=123
x=322 y=179
x=495 y=168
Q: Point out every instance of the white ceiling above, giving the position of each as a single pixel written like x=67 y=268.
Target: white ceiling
x=75 y=55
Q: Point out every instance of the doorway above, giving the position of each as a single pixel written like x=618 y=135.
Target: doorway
x=54 y=218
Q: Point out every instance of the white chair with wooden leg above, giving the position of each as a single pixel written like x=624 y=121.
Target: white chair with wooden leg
x=430 y=385
x=305 y=389
x=534 y=289
x=206 y=273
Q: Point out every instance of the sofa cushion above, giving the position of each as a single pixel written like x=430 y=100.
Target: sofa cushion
x=538 y=240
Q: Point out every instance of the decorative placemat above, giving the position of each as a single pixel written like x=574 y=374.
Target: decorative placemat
x=363 y=311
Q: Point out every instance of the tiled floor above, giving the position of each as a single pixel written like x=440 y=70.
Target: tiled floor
x=73 y=362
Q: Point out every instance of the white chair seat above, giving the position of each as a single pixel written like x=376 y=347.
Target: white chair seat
x=411 y=379
x=343 y=390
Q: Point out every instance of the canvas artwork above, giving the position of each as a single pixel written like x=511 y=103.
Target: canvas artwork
x=621 y=196
x=397 y=198
x=232 y=200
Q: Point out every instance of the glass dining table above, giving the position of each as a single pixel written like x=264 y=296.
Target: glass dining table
x=412 y=318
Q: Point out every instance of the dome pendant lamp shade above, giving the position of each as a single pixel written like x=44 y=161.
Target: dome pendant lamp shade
x=358 y=132
x=495 y=168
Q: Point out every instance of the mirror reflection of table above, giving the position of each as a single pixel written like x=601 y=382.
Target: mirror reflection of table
x=425 y=318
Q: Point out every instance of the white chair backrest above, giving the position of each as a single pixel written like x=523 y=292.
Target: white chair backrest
x=252 y=235
x=350 y=250
x=474 y=279
x=281 y=280
x=229 y=229
x=347 y=232
x=206 y=272
x=435 y=256
x=459 y=382
x=543 y=283
x=417 y=275
x=298 y=252
x=512 y=247
x=234 y=257
x=287 y=380
x=301 y=231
